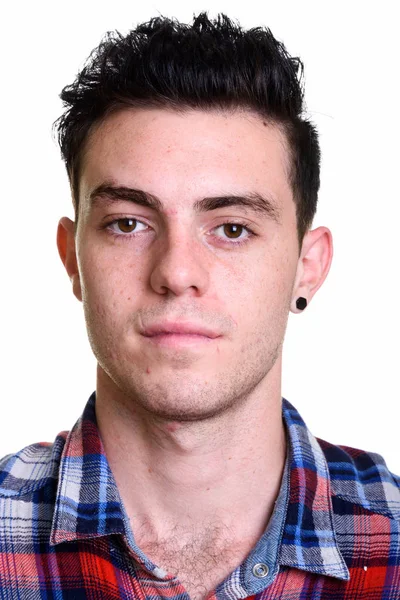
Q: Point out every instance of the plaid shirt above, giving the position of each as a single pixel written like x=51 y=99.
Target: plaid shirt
x=65 y=535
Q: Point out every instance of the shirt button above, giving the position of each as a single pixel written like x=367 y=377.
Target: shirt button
x=260 y=570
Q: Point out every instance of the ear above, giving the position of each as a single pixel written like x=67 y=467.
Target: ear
x=313 y=265
x=67 y=251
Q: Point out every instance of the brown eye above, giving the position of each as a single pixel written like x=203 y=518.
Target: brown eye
x=233 y=230
x=126 y=225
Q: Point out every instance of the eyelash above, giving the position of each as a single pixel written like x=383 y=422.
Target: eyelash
x=230 y=242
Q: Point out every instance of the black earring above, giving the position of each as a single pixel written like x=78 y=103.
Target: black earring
x=301 y=303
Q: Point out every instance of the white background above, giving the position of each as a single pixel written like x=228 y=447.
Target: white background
x=341 y=359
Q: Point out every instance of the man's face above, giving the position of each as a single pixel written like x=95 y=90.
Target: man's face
x=182 y=262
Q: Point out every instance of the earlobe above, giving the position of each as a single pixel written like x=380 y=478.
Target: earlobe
x=313 y=267
x=67 y=251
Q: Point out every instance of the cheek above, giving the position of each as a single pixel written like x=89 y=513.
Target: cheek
x=262 y=292
x=109 y=284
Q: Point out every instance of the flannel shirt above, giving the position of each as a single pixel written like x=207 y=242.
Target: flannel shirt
x=65 y=535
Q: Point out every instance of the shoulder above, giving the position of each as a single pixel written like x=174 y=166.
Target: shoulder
x=31 y=468
x=362 y=478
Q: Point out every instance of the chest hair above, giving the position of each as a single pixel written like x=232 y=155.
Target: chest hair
x=199 y=558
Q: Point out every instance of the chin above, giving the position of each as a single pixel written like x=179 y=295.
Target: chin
x=186 y=415
x=194 y=401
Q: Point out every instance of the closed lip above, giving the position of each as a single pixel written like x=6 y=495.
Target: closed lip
x=179 y=328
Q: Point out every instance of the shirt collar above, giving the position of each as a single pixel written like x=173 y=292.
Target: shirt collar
x=309 y=540
x=88 y=504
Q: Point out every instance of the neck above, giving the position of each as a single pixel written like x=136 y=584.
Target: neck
x=197 y=473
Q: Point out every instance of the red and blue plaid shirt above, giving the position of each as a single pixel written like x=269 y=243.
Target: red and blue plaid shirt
x=65 y=535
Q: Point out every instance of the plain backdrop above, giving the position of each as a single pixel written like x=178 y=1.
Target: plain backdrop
x=341 y=356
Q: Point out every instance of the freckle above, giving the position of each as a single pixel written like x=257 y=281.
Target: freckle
x=150 y=470
x=148 y=370
x=230 y=458
x=208 y=489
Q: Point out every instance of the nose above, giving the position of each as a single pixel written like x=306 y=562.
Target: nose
x=180 y=265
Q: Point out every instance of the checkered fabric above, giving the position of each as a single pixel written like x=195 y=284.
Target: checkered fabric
x=65 y=535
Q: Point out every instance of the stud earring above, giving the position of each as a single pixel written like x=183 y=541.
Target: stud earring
x=301 y=303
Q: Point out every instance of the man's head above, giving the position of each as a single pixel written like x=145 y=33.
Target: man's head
x=195 y=182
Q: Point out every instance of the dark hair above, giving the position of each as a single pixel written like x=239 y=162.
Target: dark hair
x=210 y=64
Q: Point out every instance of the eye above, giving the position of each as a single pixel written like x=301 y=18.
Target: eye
x=234 y=231
x=126 y=225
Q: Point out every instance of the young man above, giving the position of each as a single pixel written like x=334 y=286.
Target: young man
x=194 y=179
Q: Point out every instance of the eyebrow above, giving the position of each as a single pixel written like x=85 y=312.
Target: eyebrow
x=106 y=194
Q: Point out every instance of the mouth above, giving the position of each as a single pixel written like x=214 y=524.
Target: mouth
x=179 y=340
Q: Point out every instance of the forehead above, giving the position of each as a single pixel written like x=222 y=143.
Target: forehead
x=179 y=156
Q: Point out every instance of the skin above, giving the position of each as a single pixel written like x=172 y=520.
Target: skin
x=193 y=434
